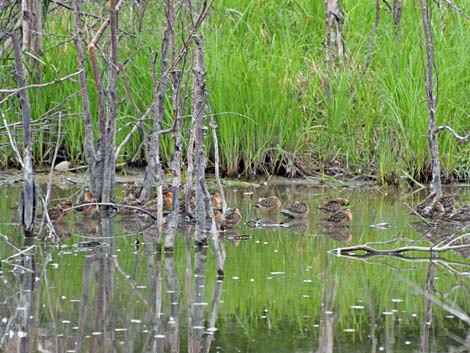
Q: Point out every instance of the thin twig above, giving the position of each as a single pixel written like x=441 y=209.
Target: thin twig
x=458 y=9
x=39 y=85
x=452 y=131
x=111 y=204
x=417 y=214
x=22 y=252
x=13 y=144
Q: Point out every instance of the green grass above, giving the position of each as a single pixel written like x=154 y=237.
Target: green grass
x=266 y=77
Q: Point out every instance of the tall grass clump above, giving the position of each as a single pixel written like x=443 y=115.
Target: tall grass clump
x=279 y=107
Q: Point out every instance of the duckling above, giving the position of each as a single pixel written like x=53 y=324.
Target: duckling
x=423 y=207
x=448 y=202
x=216 y=200
x=232 y=218
x=340 y=218
x=88 y=209
x=64 y=205
x=436 y=212
x=167 y=199
x=133 y=190
x=462 y=214
x=85 y=198
x=268 y=204
x=334 y=205
x=298 y=209
x=57 y=213
x=218 y=215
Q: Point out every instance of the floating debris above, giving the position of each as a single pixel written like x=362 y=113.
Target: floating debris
x=381 y=225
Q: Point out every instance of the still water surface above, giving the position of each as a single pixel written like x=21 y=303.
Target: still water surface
x=106 y=289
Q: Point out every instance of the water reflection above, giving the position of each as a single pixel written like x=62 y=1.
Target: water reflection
x=107 y=288
x=341 y=234
x=97 y=319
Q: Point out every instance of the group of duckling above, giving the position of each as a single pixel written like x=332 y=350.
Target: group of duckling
x=64 y=208
x=442 y=209
x=333 y=208
x=231 y=218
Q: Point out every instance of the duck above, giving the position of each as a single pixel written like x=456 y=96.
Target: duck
x=55 y=214
x=334 y=205
x=462 y=214
x=436 y=212
x=133 y=190
x=340 y=218
x=167 y=200
x=66 y=206
x=232 y=218
x=268 y=204
x=448 y=202
x=298 y=209
x=88 y=209
x=59 y=211
x=216 y=200
x=218 y=215
x=423 y=207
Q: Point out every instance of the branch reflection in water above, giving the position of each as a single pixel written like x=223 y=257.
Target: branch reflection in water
x=100 y=317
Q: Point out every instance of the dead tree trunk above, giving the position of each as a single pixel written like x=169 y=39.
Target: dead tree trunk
x=432 y=101
x=197 y=111
x=32 y=32
x=109 y=172
x=27 y=207
x=95 y=165
x=153 y=171
x=334 y=43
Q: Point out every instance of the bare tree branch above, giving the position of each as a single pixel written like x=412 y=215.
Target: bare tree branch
x=452 y=131
x=13 y=144
x=39 y=85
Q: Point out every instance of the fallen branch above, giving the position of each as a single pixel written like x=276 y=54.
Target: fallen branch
x=111 y=204
x=370 y=250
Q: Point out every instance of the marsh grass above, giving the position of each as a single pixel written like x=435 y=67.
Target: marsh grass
x=267 y=82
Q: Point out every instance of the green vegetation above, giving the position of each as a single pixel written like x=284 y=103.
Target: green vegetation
x=267 y=78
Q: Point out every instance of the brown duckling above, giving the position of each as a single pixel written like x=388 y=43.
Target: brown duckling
x=66 y=206
x=448 y=202
x=59 y=211
x=298 y=209
x=88 y=209
x=268 y=204
x=340 y=218
x=232 y=218
x=462 y=214
x=334 y=205
x=167 y=200
x=423 y=207
x=216 y=200
x=218 y=215
x=436 y=212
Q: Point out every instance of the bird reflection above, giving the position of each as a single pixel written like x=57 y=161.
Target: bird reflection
x=296 y=225
x=341 y=234
x=233 y=237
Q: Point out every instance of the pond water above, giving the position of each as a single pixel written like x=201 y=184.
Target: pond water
x=106 y=289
